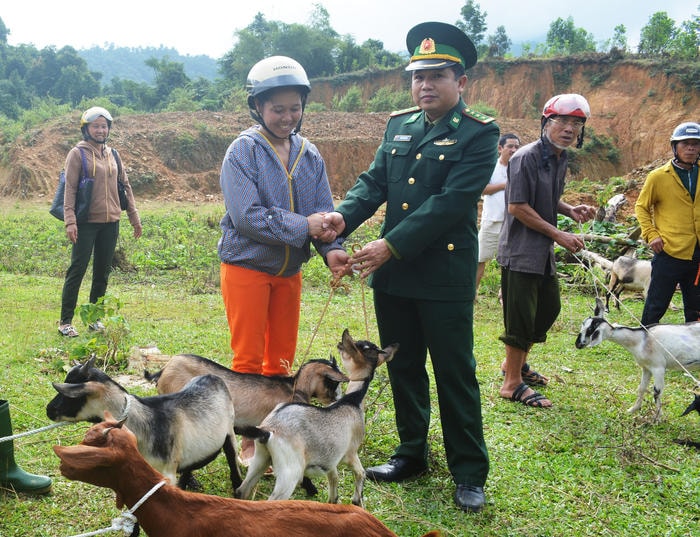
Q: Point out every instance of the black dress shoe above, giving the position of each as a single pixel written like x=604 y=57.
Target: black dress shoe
x=470 y=498
x=397 y=469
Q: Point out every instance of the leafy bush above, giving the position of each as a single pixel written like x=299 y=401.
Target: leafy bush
x=387 y=100
x=484 y=109
x=350 y=102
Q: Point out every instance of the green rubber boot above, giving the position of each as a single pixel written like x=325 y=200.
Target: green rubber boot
x=11 y=475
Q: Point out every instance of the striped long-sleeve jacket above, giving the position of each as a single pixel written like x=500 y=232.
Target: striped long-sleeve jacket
x=265 y=226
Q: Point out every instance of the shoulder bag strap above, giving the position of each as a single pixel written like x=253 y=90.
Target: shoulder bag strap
x=84 y=168
x=119 y=164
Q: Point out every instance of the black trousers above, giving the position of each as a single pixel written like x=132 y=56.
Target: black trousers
x=102 y=240
x=445 y=330
x=666 y=273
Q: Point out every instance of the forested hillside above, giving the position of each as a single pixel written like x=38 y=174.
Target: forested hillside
x=177 y=155
x=130 y=63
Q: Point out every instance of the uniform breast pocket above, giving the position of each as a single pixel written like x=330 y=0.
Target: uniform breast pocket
x=396 y=154
x=436 y=161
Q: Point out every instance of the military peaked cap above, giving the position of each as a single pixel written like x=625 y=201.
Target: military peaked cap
x=436 y=45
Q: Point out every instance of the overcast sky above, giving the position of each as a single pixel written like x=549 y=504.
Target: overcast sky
x=208 y=26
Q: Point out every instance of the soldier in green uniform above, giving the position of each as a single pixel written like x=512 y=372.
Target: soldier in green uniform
x=430 y=169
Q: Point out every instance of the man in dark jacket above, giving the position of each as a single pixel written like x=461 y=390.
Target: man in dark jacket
x=433 y=163
x=531 y=296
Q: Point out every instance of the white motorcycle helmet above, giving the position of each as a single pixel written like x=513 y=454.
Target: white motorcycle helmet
x=272 y=73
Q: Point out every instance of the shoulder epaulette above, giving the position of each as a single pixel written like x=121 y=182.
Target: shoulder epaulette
x=411 y=110
x=477 y=116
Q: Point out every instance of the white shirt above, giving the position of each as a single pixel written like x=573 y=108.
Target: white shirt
x=494 y=207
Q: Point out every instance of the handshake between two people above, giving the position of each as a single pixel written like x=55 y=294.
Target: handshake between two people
x=326 y=227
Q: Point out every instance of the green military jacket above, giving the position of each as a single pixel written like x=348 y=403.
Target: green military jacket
x=431 y=184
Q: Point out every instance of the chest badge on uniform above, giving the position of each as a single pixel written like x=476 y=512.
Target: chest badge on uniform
x=445 y=141
x=403 y=138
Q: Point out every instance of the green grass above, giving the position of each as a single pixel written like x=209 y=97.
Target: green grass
x=583 y=468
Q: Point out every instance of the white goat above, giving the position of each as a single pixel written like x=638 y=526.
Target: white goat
x=178 y=432
x=655 y=348
x=626 y=274
x=299 y=439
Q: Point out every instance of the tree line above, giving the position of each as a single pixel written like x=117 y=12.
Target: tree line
x=35 y=81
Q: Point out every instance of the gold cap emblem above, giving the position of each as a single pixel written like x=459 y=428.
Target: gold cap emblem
x=427 y=46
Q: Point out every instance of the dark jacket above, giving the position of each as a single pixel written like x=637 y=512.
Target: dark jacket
x=431 y=184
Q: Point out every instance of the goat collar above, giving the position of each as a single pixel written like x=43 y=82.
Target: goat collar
x=360 y=380
x=127 y=407
x=148 y=495
x=126 y=522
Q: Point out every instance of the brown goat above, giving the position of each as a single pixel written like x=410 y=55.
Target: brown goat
x=108 y=457
x=254 y=396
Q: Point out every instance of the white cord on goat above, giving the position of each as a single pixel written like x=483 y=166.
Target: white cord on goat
x=685 y=370
x=126 y=521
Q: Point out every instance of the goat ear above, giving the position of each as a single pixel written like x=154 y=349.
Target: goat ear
x=70 y=390
x=346 y=341
x=89 y=363
x=386 y=355
x=599 y=308
x=81 y=457
x=337 y=376
x=332 y=359
x=348 y=346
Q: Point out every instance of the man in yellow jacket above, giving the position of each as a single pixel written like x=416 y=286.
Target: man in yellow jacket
x=668 y=210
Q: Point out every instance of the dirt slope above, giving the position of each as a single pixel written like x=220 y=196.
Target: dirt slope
x=177 y=156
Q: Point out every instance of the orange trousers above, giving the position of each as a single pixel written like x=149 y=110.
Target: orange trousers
x=263 y=317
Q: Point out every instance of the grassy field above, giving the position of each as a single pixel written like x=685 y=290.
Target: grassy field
x=584 y=467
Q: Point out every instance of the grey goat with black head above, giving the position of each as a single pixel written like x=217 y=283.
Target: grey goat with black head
x=176 y=433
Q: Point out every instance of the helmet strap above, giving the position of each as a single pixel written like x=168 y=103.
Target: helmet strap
x=257 y=117
x=88 y=138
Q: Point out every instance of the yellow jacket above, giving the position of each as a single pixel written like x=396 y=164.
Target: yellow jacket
x=665 y=209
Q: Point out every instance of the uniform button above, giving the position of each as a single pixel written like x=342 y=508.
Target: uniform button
x=418 y=156
x=411 y=181
x=393 y=151
x=450 y=247
x=404 y=205
x=441 y=157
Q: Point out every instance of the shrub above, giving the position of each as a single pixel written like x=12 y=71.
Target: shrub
x=386 y=100
x=350 y=102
